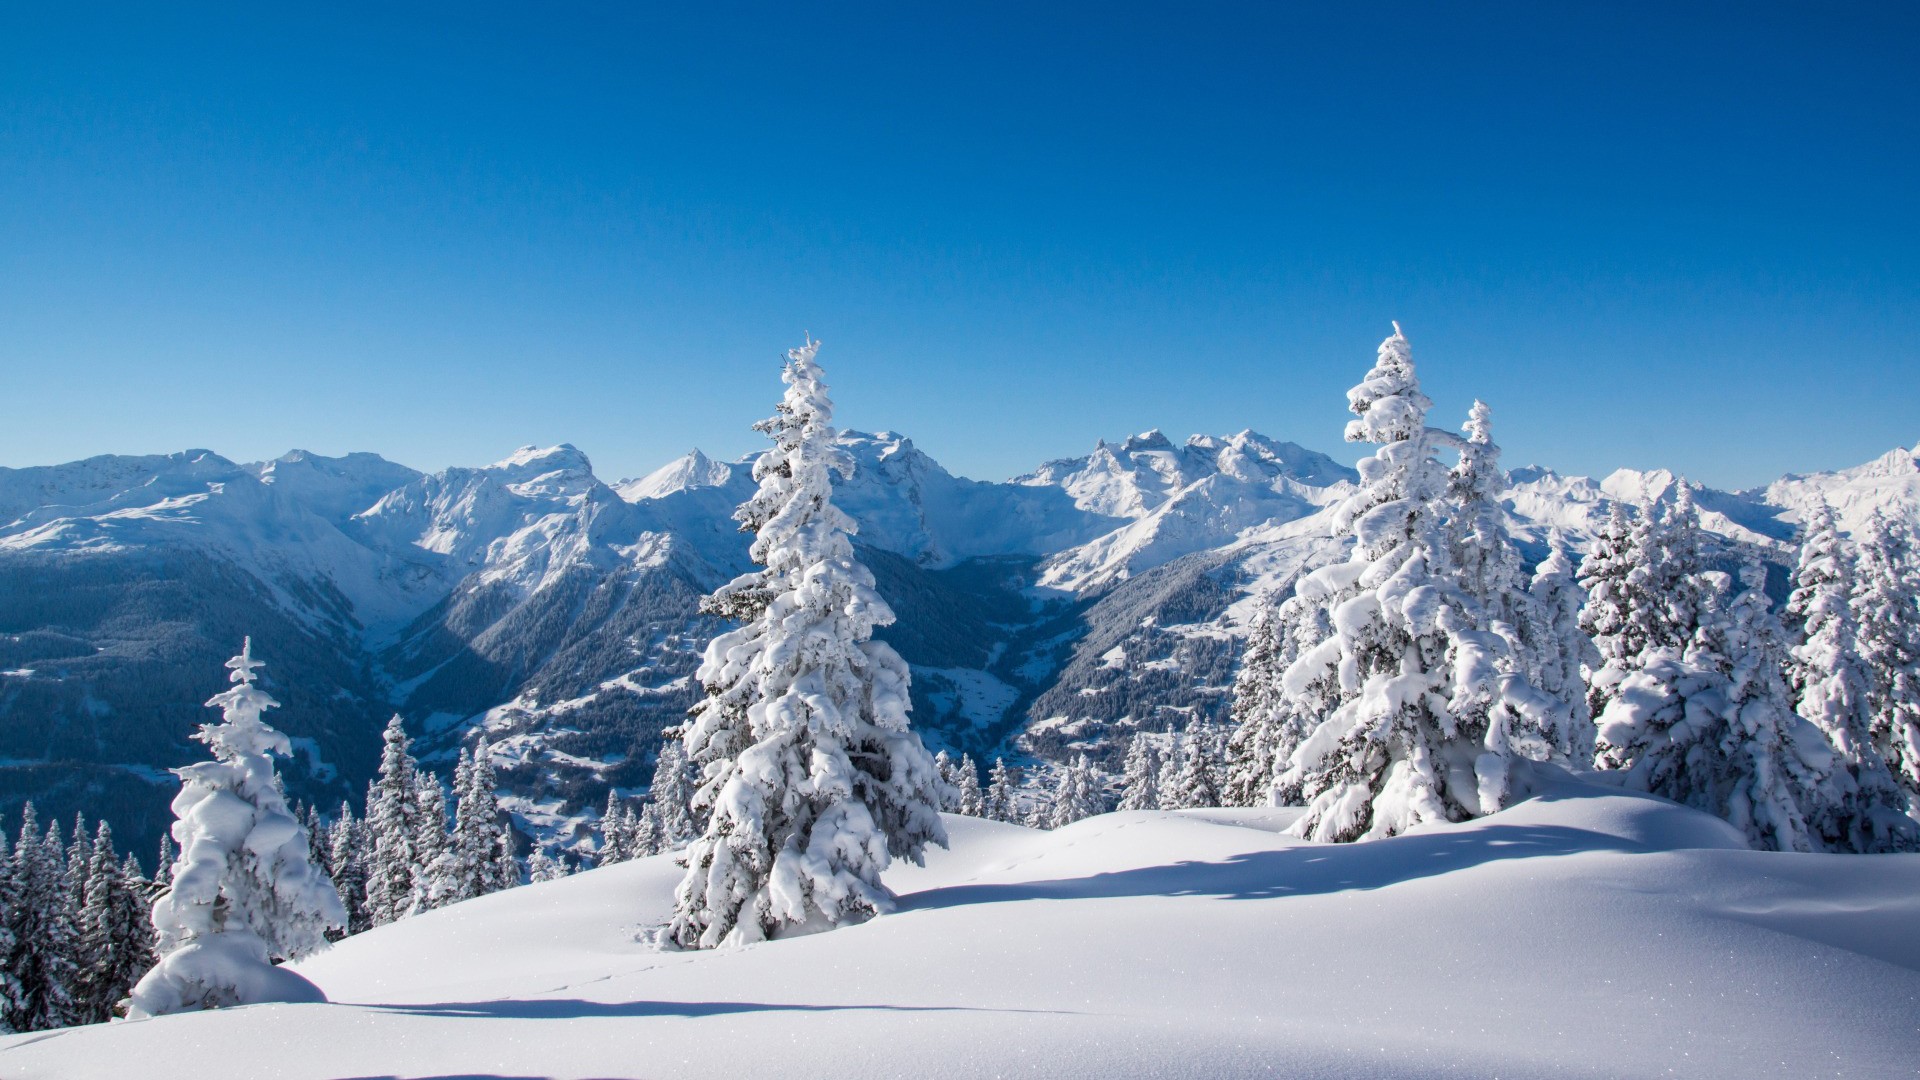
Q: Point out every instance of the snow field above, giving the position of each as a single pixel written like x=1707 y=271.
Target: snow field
x=1583 y=932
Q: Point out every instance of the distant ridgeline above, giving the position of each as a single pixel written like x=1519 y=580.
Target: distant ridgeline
x=1047 y=617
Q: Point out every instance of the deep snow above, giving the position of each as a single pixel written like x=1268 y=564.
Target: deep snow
x=1583 y=932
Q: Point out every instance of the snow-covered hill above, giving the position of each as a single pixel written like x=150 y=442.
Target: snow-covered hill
x=1045 y=615
x=1582 y=933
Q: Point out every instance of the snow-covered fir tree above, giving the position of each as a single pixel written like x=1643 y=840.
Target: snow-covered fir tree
x=1253 y=750
x=1606 y=615
x=544 y=867
x=1191 y=781
x=1868 y=812
x=943 y=764
x=813 y=779
x=349 y=850
x=163 y=863
x=116 y=935
x=1563 y=653
x=646 y=838
x=465 y=869
x=671 y=794
x=11 y=998
x=40 y=921
x=243 y=894
x=1076 y=794
x=617 y=828
x=1486 y=564
x=1140 y=777
x=972 y=801
x=1426 y=699
x=393 y=826
x=1887 y=610
x=434 y=871
x=1710 y=725
x=1001 y=801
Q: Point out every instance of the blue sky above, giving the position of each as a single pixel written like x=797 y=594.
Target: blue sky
x=1672 y=235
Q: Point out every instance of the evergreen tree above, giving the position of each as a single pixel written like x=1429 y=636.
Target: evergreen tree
x=1427 y=700
x=949 y=797
x=646 y=838
x=347 y=846
x=1710 y=726
x=40 y=920
x=672 y=793
x=319 y=841
x=116 y=935
x=1194 y=783
x=480 y=844
x=1564 y=654
x=1866 y=810
x=813 y=777
x=1253 y=750
x=616 y=831
x=163 y=863
x=1077 y=797
x=973 y=801
x=1140 y=778
x=435 y=870
x=393 y=820
x=1608 y=617
x=1887 y=611
x=544 y=867
x=12 y=996
x=243 y=893
x=1002 y=785
x=1486 y=564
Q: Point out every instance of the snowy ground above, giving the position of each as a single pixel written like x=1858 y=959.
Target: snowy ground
x=1579 y=934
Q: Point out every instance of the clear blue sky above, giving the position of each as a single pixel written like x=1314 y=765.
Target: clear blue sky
x=1679 y=235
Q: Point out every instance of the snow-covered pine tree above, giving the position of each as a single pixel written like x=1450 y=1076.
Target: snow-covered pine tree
x=544 y=867
x=1563 y=653
x=393 y=822
x=1710 y=726
x=1426 y=698
x=949 y=782
x=319 y=843
x=1001 y=786
x=616 y=831
x=973 y=802
x=671 y=793
x=1606 y=616
x=243 y=894
x=163 y=864
x=40 y=921
x=1868 y=808
x=483 y=842
x=1486 y=563
x=1887 y=611
x=1077 y=796
x=646 y=833
x=116 y=935
x=812 y=775
x=1192 y=782
x=435 y=872
x=12 y=1001
x=1140 y=777
x=347 y=846
x=1254 y=746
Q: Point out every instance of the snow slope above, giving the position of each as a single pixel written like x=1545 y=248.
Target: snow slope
x=1582 y=933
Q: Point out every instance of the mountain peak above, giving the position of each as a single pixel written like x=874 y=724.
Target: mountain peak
x=690 y=471
x=1151 y=439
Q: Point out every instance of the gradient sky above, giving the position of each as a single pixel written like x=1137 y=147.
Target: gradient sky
x=1679 y=235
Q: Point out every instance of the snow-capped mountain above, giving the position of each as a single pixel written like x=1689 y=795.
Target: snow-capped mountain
x=1044 y=615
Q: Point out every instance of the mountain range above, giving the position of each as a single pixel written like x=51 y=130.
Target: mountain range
x=1049 y=614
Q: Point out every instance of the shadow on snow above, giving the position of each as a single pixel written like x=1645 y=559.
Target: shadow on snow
x=1297 y=871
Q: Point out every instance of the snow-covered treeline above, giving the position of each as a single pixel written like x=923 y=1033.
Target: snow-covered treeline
x=1403 y=684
